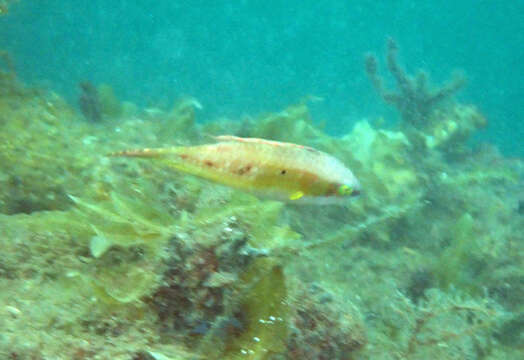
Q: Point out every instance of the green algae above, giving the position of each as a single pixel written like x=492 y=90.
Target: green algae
x=265 y=312
x=123 y=284
x=452 y=267
x=293 y=124
x=384 y=158
x=127 y=221
x=33 y=177
x=110 y=106
x=179 y=122
x=129 y=232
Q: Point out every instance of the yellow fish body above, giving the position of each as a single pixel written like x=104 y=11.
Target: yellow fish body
x=282 y=171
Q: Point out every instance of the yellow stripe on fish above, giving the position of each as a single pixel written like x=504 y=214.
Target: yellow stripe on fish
x=278 y=170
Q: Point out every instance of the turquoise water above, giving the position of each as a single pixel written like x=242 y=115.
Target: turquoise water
x=248 y=56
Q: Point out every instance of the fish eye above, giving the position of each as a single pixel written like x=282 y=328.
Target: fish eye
x=344 y=190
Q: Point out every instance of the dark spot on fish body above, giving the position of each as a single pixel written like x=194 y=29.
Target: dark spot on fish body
x=209 y=163
x=283 y=172
x=331 y=190
x=244 y=169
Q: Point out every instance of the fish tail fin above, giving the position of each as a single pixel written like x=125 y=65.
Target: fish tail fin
x=145 y=153
x=172 y=157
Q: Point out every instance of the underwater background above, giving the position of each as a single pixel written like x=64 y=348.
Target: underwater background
x=105 y=258
x=247 y=56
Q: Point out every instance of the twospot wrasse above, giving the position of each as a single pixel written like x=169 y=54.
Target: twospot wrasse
x=278 y=170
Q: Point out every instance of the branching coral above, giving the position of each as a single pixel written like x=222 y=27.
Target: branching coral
x=414 y=100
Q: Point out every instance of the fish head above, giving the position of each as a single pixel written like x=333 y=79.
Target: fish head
x=341 y=191
x=342 y=182
x=351 y=189
x=333 y=191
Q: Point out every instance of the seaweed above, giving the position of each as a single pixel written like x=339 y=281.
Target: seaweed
x=33 y=124
x=444 y=325
x=415 y=100
x=451 y=269
x=110 y=106
x=89 y=102
x=180 y=122
x=428 y=116
x=420 y=281
x=99 y=103
x=293 y=124
x=264 y=312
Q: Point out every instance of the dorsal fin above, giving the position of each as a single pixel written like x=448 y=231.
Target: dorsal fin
x=233 y=138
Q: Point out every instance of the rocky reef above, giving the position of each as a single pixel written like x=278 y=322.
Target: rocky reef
x=107 y=258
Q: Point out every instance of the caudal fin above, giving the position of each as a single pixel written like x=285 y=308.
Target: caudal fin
x=143 y=153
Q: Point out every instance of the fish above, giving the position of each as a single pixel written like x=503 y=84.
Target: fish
x=270 y=169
